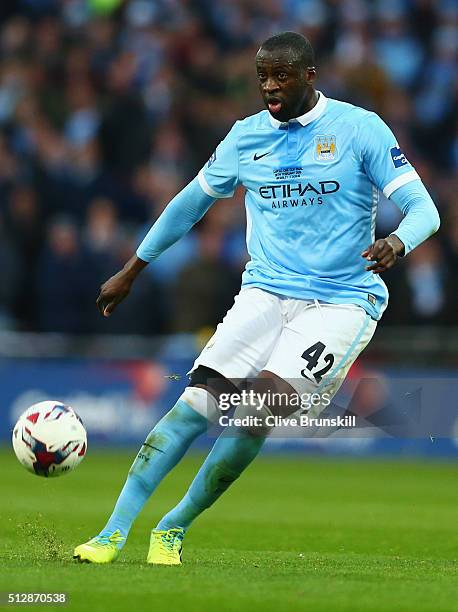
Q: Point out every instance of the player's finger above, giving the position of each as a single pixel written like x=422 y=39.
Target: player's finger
x=108 y=309
x=102 y=300
x=100 y=303
x=112 y=303
x=366 y=252
x=374 y=254
x=371 y=252
x=378 y=250
x=385 y=254
x=382 y=265
x=387 y=264
x=378 y=264
x=377 y=269
x=373 y=267
x=381 y=257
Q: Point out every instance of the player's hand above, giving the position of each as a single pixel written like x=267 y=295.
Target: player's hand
x=116 y=288
x=112 y=292
x=384 y=253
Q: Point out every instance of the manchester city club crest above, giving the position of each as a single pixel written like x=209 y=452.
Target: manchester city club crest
x=325 y=148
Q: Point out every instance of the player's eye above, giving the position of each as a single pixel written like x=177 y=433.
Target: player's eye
x=261 y=76
x=282 y=76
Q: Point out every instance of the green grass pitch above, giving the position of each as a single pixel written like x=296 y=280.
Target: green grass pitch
x=294 y=533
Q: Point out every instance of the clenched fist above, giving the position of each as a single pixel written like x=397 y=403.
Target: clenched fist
x=384 y=252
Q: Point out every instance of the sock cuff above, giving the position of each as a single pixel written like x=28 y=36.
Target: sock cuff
x=202 y=402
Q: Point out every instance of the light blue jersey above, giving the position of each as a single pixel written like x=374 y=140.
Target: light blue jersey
x=312 y=189
x=312 y=192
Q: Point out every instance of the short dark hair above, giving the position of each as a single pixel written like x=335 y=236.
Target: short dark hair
x=299 y=45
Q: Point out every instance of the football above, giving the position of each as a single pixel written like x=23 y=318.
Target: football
x=49 y=439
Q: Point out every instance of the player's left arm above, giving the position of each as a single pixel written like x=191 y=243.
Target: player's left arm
x=390 y=171
x=421 y=221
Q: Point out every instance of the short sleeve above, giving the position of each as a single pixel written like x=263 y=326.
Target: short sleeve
x=220 y=175
x=384 y=162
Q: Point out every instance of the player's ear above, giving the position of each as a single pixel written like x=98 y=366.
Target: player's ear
x=310 y=74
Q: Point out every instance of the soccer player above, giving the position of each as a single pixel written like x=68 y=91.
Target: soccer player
x=311 y=293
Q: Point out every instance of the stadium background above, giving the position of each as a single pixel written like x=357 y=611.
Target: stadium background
x=108 y=108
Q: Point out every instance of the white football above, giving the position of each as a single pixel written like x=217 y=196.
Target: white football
x=49 y=439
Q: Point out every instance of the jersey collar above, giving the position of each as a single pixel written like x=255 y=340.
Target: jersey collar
x=306 y=118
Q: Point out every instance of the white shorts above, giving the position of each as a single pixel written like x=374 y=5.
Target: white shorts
x=308 y=343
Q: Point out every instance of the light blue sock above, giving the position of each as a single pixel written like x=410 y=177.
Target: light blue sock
x=232 y=453
x=163 y=448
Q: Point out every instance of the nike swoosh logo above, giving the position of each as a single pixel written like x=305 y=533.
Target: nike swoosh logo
x=256 y=156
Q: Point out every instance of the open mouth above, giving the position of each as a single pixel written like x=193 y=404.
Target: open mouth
x=274 y=105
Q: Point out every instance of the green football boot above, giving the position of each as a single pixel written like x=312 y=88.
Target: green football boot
x=165 y=547
x=101 y=549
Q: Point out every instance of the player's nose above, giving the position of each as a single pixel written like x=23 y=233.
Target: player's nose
x=270 y=85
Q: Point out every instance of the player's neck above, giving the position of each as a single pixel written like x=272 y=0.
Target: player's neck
x=309 y=103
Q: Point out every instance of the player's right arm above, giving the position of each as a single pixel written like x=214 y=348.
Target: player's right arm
x=217 y=179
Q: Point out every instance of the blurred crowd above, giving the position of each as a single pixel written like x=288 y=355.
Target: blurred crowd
x=109 y=107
